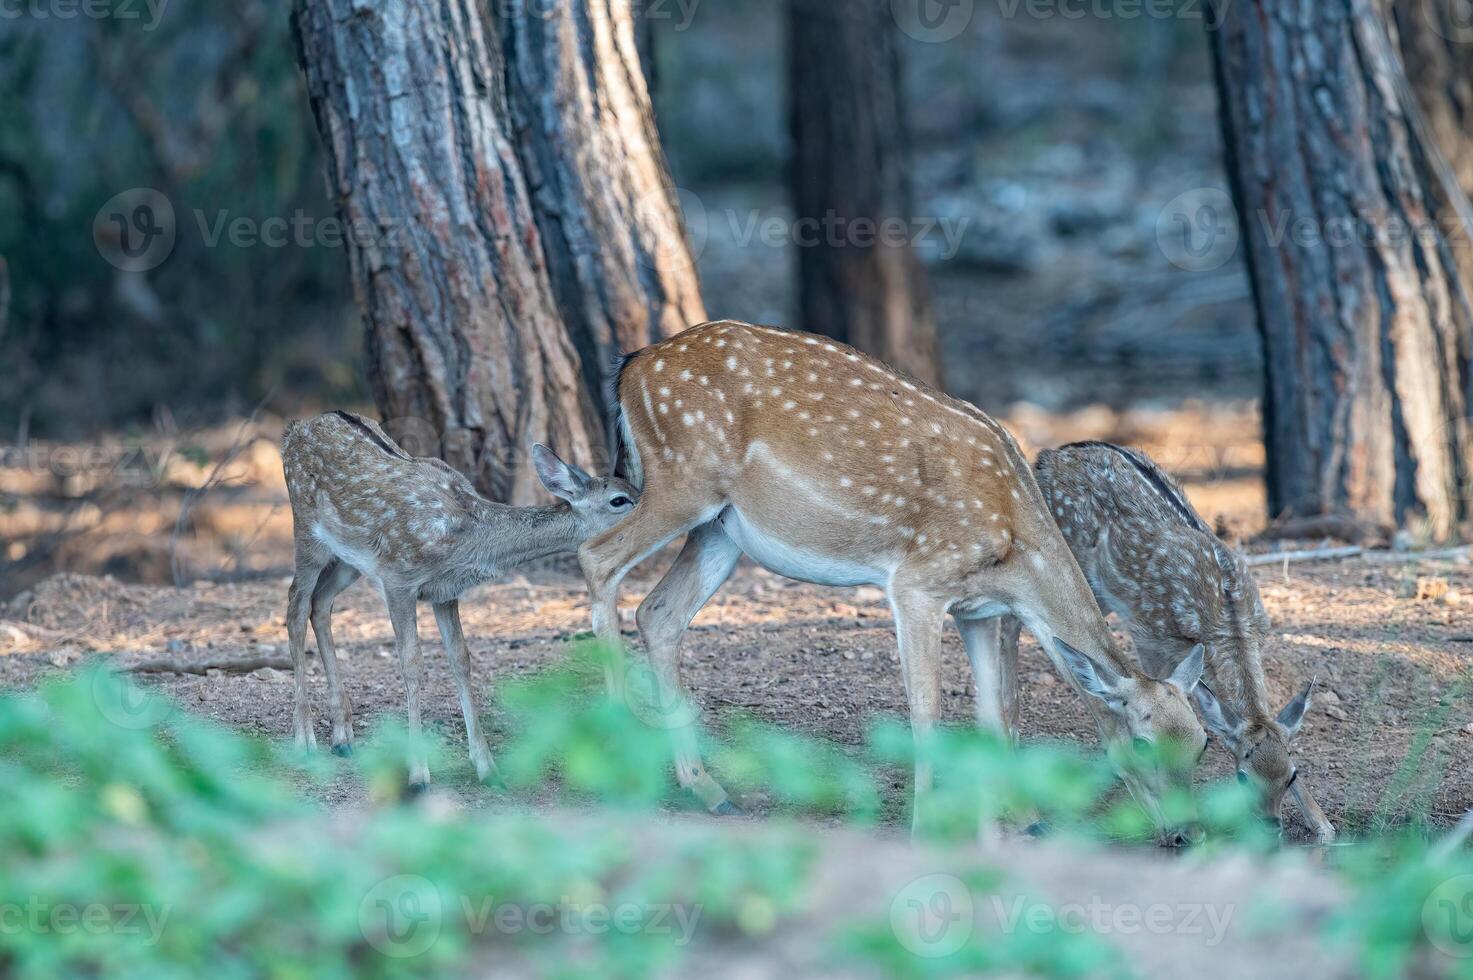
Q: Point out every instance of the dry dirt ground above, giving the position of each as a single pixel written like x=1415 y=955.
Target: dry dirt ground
x=1390 y=739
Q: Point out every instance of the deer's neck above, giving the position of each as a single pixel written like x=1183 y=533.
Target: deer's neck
x=511 y=536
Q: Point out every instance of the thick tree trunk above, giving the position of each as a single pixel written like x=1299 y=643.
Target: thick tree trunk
x=611 y=228
x=501 y=171
x=1437 y=53
x=857 y=282
x=1361 y=310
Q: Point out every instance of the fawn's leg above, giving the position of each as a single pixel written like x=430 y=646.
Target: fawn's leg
x=655 y=521
x=298 y=608
x=402 y=608
x=703 y=565
x=334 y=579
x=918 y=622
x=447 y=617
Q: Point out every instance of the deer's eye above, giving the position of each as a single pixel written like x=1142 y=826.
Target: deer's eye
x=1141 y=744
x=620 y=502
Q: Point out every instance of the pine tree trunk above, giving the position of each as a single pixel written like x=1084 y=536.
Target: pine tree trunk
x=611 y=228
x=500 y=169
x=1362 y=310
x=849 y=178
x=1437 y=53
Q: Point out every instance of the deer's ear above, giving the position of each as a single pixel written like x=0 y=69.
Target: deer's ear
x=1293 y=714
x=1219 y=718
x=1189 y=672
x=1095 y=678
x=560 y=479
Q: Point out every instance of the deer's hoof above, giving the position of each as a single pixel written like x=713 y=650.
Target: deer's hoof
x=726 y=808
x=343 y=750
x=415 y=790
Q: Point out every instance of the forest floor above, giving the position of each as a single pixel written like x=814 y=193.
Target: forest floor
x=1390 y=637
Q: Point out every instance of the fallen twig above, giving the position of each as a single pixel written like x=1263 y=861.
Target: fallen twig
x=228 y=665
x=1314 y=554
x=1354 y=551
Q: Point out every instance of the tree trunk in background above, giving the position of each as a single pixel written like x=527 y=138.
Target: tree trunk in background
x=1366 y=409
x=611 y=227
x=849 y=175
x=507 y=170
x=1437 y=53
x=446 y=259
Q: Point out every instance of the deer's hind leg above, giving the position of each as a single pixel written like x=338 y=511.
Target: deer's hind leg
x=402 y=614
x=309 y=567
x=336 y=577
x=704 y=564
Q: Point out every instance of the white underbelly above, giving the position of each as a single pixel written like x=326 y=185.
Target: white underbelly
x=777 y=555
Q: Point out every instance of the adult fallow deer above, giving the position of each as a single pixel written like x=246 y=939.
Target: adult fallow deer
x=1150 y=558
x=824 y=465
x=416 y=527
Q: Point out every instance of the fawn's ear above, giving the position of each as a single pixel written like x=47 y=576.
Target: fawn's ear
x=1293 y=714
x=1189 y=672
x=1096 y=678
x=1219 y=718
x=560 y=479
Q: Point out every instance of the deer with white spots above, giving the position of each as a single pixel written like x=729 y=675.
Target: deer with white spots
x=362 y=506
x=824 y=465
x=1151 y=559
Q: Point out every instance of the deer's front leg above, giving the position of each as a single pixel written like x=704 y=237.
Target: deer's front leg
x=447 y=617
x=411 y=665
x=918 y=623
x=1324 y=831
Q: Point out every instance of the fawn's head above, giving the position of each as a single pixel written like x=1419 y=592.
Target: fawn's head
x=1260 y=746
x=597 y=502
x=1159 y=740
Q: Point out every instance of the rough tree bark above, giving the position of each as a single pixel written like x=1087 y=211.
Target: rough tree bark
x=849 y=178
x=1360 y=305
x=498 y=167
x=611 y=226
x=1437 y=52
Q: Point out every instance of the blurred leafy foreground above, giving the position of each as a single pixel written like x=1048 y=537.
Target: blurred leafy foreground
x=139 y=841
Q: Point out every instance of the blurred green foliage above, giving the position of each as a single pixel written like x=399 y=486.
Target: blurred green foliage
x=139 y=841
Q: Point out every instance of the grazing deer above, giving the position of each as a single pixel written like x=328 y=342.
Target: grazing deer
x=1151 y=558
x=415 y=526
x=824 y=465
